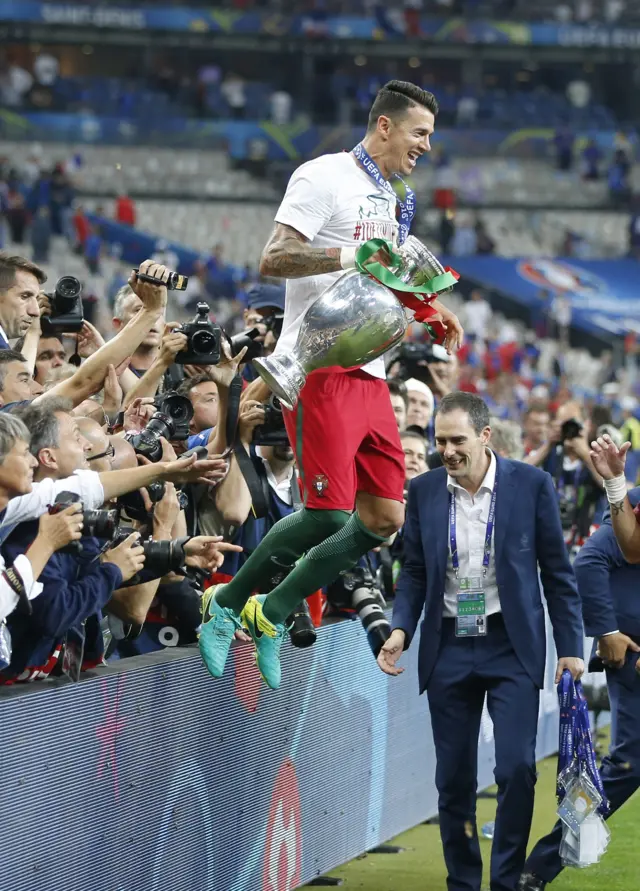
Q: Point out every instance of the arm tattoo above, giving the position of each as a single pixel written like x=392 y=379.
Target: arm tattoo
x=287 y=255
x=617 y=508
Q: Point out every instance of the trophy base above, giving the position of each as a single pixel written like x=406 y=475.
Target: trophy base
x=284 y=376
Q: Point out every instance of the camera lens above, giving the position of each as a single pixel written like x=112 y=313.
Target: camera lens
x=68 y=288
x=179 y=408
x=203 y=342
x=100 y=523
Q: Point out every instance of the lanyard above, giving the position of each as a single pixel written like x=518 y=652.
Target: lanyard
x=576 y=743
x=407 y=207
x=486 y=558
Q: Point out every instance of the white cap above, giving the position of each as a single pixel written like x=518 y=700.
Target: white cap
x=419 y=387
x=628 y=403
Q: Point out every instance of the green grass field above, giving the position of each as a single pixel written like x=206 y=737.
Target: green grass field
x=420 y=866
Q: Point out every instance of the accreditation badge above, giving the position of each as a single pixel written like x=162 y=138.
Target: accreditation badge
x=471 y=613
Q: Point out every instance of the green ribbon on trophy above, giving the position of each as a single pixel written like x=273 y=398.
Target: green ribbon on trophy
x=414 y=294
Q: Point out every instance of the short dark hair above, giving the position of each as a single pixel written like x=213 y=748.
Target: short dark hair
x=7 y=356
x=186 y=386
x=42 y=423
x=396 y=97
x=413 y=434
x=475 y=407
x=535 y=409
x=11 y=263
x=398 y=388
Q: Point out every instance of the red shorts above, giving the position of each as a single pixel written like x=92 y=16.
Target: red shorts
x=345 y=436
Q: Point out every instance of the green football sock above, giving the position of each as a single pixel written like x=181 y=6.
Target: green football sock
x=320 y=566
x=283 y=545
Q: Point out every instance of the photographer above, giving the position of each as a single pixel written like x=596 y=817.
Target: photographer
x=50 y=354
x=577 y=483
x=79 y=586
x=18 y=580
x=89 y=378
x=16 y=384
x=128 y=303
x=421 y=403
x=264 y=312
x=20 y=281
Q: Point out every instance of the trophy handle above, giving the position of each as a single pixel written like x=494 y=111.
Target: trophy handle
x=284 y=376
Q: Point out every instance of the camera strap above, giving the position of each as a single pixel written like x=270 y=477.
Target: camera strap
x=259 y=499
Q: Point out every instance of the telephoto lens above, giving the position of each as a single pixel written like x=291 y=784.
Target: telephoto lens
x=369 y=604
x=301 y=630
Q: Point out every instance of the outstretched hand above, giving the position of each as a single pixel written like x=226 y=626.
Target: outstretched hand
x=608 y=459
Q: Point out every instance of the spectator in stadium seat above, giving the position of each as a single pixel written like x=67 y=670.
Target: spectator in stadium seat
x=125 y=210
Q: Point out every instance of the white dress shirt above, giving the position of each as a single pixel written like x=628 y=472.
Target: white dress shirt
x=282 y=487
x=472 y=515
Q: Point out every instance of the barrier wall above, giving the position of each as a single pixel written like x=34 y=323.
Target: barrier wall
x=150 y=776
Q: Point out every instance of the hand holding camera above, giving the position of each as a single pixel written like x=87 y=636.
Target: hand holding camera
x=127 y=556
x=251 y=416
x=173 y=341
x=58 y=530
x=165 y=511
x=149 y=283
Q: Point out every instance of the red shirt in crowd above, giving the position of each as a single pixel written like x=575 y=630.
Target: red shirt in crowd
x=81 y=226
x=125 y=211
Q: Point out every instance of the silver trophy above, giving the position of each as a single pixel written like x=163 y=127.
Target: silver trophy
x=356 y=320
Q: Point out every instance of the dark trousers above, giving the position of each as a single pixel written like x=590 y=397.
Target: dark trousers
x=620 y=769
x=466 y=670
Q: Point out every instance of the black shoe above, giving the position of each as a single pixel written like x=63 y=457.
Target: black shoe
x=529 y=881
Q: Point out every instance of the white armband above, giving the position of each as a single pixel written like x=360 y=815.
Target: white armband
x=616 y=489
x=348 y=257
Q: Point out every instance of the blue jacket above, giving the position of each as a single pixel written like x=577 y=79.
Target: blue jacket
x=527 y=534
x=608 y=585
x=74 y=587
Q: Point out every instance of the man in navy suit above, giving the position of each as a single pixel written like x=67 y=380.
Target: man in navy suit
x=608 y=587
x=477 y=530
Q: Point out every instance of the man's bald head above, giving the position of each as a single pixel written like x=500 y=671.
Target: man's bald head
x=97 y=455
x=124 y=457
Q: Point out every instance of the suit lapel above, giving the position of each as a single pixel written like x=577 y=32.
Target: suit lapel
x=504 y=504
x=440 y=525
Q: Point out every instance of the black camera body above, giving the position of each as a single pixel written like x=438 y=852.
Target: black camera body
x=96 y=523
x=66 y=307
x=171 y=422
x=178 y=409
x=571 y=429
x=203 y=339
x=272 y=431
x=414 y=356
x=356 y=593
x=160 y=557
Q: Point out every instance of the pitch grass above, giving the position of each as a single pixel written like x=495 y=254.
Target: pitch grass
x=420 y=866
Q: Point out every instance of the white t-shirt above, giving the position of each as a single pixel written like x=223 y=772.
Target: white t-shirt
x=333 y=203
x=46 y=68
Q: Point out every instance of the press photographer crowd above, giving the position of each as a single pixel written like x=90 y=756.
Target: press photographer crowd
x=109 y=538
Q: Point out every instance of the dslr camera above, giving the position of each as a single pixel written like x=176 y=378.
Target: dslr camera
x=170 y=422
x=571 y=429
x=356 y=593
x=66 y=307
x=411 y=355
x=96 y=523
x=160 y=557
x=203 y=339
x=272 y=432
x=248 y=338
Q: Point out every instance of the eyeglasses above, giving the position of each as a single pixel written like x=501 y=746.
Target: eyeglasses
x=109 y=453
